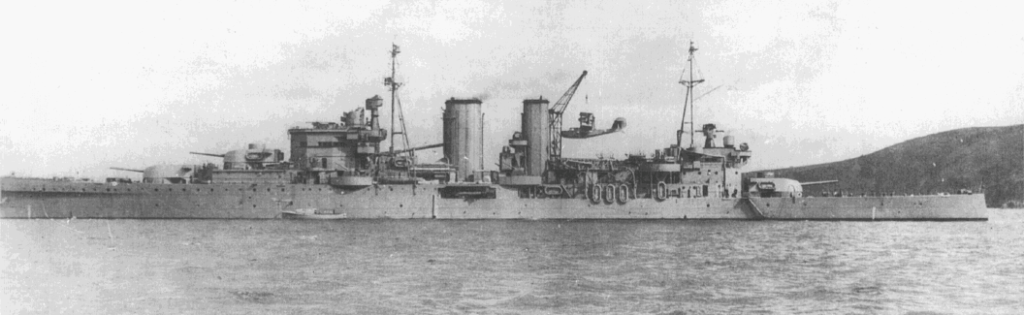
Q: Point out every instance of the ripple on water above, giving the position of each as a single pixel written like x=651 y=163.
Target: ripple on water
x=437 y=267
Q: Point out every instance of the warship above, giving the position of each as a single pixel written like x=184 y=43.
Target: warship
x=339 y=170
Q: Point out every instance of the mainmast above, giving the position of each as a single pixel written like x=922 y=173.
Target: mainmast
x=688 y=101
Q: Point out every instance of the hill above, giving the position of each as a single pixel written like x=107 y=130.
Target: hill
x=989 y=159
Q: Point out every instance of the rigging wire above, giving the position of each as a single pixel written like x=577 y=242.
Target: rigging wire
x=401 y=119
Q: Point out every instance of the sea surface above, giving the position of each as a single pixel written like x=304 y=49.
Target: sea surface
x=511 y=267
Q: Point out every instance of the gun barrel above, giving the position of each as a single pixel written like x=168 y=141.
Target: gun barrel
x=430 y=146
x=820 y=182
x=207 y=154
x=127 y=169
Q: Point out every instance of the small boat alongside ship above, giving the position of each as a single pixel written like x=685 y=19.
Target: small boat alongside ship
x=339 y=170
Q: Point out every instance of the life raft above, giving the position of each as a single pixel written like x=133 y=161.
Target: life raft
x=622 y=194
x=609 y=194
x=661 y=192
x=594 y=193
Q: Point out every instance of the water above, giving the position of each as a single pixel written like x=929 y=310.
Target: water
x=511 y=267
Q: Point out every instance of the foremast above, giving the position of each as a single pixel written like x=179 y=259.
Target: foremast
x=393 y=85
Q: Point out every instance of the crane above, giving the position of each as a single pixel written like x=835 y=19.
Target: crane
x=555 y=118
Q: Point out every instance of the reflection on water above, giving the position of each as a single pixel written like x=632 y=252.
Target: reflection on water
x=511 y=267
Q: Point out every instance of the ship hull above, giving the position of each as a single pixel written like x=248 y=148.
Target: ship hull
x=38 y=198
x=508 y=205
x=35 y=198
x=876 y=208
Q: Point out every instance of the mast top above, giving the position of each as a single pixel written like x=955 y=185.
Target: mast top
x=691 y=82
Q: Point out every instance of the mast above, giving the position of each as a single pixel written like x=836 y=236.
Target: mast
x=393 y=86
x=688 y=101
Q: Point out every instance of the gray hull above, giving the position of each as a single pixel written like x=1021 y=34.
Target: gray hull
x=38 y=198
x=878 y=208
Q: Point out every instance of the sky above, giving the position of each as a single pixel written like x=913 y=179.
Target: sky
x=99 y=84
